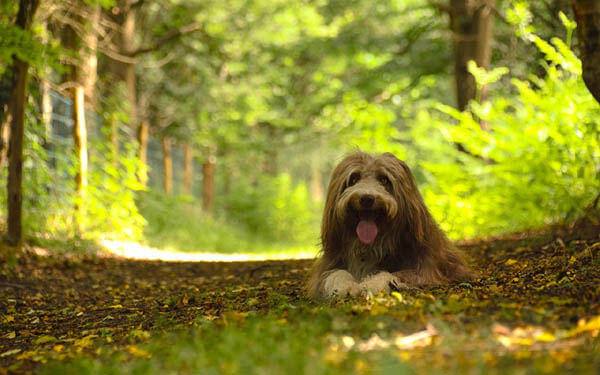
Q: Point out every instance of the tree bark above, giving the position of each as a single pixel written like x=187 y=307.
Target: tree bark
x=187 y=170
x=113 y=139
x=208 y=184
x=587 y=16
x=89 y=69
x=46 y=111
x=15 y=154
x=472 y=24
x=128 y=47
x=14 y=235
x=143 y=131
x=168 y=165
x=316 y=186
x=80 y=138
x=4 y=137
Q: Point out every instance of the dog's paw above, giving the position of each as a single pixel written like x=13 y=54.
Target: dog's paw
x=382 y=281
x=340 y=283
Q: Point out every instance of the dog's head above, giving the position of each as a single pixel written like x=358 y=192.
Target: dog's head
x=373 y=200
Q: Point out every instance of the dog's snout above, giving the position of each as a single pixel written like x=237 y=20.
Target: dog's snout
x=366 y=201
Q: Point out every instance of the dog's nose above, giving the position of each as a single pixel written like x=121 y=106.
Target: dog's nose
x=366 y=201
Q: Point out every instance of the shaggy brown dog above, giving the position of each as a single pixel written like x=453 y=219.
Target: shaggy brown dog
x=377 y=232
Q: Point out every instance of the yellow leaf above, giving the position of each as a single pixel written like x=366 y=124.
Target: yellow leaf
x=58 y=348
x=510 y=262
x=379 y=309
x=137 y=352
x=398 y=296
x=10 y=335
x=546 y=337
x=9 y=318
x=582 y=326
x=10 y=352
x=44 y=339
x=117 y=306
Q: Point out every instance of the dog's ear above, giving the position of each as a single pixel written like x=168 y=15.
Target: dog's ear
x=416 y=214
x=330 y=231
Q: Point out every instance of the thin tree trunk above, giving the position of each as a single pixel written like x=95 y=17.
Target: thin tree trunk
x=587 y=15
x=113 y=138
x=127 y=47
x=15 y=154
x=316 y=186
x=168 y=165
x=270 y=165
x=143 y=131
x=46 y=111
x=5 y=96
x=80 y=137
x=14 y=235
x=187 y=169
x=4 y=137
x=89 y=68
x=471 y=23
x=208 y=184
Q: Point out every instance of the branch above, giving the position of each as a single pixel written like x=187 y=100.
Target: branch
x=173 y=34
x=441 y=7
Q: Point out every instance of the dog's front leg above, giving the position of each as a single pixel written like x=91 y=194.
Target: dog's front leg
x=381 y=281
x=340 y=283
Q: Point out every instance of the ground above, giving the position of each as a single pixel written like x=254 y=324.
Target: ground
x=534 y=309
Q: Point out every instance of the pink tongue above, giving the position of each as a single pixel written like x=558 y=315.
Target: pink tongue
x=366 y=231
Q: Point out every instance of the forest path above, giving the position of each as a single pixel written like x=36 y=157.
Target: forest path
x=63 y=306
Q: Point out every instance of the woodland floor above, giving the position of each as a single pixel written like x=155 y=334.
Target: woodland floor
x=535 y=309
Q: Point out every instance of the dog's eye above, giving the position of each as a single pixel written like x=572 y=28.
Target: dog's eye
x=384 y=180
x=354 y=177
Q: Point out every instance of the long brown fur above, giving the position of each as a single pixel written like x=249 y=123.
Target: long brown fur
x=409 y=243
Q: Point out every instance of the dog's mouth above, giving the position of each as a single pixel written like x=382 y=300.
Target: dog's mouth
x=367 y=229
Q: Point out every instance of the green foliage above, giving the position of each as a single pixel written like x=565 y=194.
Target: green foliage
x=537 y=165
x=178 y=223
x=275 y=209
x=49 y=198
x=111 y=206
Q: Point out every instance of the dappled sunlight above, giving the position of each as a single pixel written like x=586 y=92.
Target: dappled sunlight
x=134 y=250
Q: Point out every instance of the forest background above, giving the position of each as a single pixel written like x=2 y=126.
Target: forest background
x=258 y=100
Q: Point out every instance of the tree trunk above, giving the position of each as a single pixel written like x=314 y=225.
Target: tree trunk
x=270 y=165
x=14 y=236
x=168 y=165
x=89 y=69
x=80 y=138
x=587 y=16
x=15 y=154
x=4 y=137
x=472 y=24
x=46 y=111
x=143 y=131
x=5 y=96
x=316 y=187
x=187 y=169
x=113 y=139
x=208 y=184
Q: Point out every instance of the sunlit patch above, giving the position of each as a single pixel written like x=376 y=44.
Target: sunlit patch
x=134 y=250
x=399 y=341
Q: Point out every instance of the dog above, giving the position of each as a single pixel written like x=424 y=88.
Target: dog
x=377 y=234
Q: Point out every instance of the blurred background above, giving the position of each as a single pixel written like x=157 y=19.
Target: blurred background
x=213 y=126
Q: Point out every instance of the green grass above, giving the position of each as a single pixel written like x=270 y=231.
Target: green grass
x=179 y=224
x=307 y=338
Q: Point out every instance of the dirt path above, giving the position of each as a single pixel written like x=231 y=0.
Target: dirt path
x=55 y=307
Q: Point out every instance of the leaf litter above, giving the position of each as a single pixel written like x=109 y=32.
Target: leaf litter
x=537 y=296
